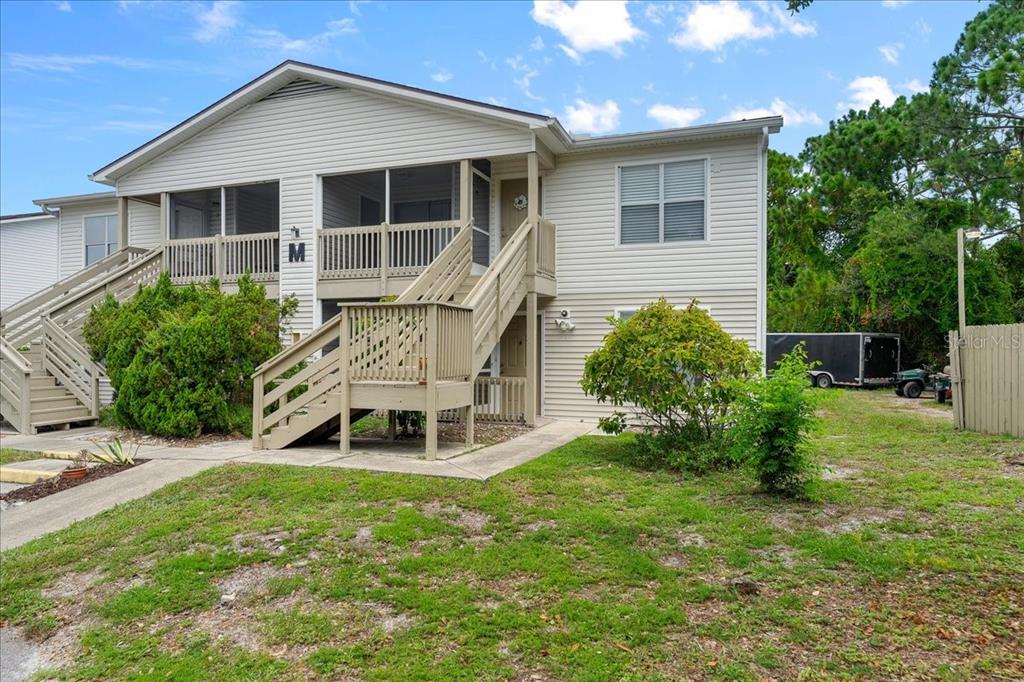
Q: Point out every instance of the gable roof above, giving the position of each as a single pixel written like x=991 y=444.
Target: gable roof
x=286 y=73
x=548 y=128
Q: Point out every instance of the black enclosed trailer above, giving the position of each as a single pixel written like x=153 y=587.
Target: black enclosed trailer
x=847 y=359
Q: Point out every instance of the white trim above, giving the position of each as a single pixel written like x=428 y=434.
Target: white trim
x=224 y=211
x=660 y=162
x=617 y=312
x=29 y=218
x=760 y=342
x=387 y=195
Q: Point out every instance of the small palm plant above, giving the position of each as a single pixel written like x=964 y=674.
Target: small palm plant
x=116 y=452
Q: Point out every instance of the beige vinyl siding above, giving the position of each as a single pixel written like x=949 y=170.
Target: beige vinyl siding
x=299 y=279
x=596 y=275
x=143 y=225
x=334 y=131
x=28 y=253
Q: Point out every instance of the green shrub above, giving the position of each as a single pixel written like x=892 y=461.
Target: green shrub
x=180 y=359
x=678 y=372
x=771 y=423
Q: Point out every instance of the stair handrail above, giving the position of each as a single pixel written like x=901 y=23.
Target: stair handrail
x=71 y=365
x=521 y=234
x=26 y=326
x=16 y=386
x=64 y=305
x=64 y=286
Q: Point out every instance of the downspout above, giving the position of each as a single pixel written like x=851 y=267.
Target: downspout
x=762 y=247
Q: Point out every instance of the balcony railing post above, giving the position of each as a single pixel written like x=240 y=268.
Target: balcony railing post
x=430 y=400
x=218 y=257
x=383 y=262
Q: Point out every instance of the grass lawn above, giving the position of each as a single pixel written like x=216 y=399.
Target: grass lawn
x=10 y=456
x=907 y=563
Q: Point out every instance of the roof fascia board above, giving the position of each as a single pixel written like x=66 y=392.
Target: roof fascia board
x=691 y=134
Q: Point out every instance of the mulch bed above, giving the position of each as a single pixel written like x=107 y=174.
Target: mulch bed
x=56 y=484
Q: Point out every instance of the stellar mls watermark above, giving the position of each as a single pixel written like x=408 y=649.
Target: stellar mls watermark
x=998 y=341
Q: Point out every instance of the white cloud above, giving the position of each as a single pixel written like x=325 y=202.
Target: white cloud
x=273 y=39
x=712 y=26
x=537 y=43
x=778 y=107
x=69 y=63
x=787 y=21
x=865 y=90
x=524 y=75
x=674 y=117
x=63 y=6
x=914 y=86
x=588 y=26
x=584 y=117
x=655 y=12
x=221 y=17
x=891 y=52
x=894 y=4
x=442 y=76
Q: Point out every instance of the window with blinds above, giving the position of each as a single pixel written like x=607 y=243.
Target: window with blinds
x=662 y=202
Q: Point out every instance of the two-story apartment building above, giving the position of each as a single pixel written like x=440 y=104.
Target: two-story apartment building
x=506 y=240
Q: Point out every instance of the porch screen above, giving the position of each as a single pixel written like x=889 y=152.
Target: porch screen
x=662 y=202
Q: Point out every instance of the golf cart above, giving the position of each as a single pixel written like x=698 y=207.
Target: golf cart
x=910 y=383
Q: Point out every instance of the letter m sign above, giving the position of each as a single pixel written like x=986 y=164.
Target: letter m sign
x=297 y=253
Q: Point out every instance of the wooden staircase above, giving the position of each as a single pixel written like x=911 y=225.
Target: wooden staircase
x=47 y=377
x=421 y=352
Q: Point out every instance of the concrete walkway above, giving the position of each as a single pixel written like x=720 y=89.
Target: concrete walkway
x=22 y=523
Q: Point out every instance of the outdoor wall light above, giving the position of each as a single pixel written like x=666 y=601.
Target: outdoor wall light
x=295 y=232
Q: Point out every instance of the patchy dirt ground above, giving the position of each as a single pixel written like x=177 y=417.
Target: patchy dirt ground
x=903 y=562
x=452 y=432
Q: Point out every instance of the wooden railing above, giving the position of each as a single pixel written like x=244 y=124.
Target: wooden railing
x=71 y=365
x=70 y=313
x=446 y=273
x=225 y=257
x=382 y=251
x=294 y=379
x=495 y=399
x=390 y=342
x=15 y=387
x=496 y=297
x=546 y=248
x=256 y=254
x=19 y=323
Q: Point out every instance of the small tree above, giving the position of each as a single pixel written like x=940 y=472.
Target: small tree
x=771 y=422
x=676 y=369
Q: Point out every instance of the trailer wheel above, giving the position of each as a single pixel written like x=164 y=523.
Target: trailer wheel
x=823 y=381
x=912 y=389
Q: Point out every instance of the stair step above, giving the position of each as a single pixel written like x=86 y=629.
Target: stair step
x=52 y=402
x=60 y=422
x=58 y=415
x=42 y=382
x=48 y=391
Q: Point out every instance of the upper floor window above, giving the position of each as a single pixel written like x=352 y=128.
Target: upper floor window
x=100 y=237
x=663 y=202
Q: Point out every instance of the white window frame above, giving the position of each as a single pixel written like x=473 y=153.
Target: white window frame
x=661 y=243
x=85 y=243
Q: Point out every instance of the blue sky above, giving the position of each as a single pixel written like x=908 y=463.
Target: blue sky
x=83 y=82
